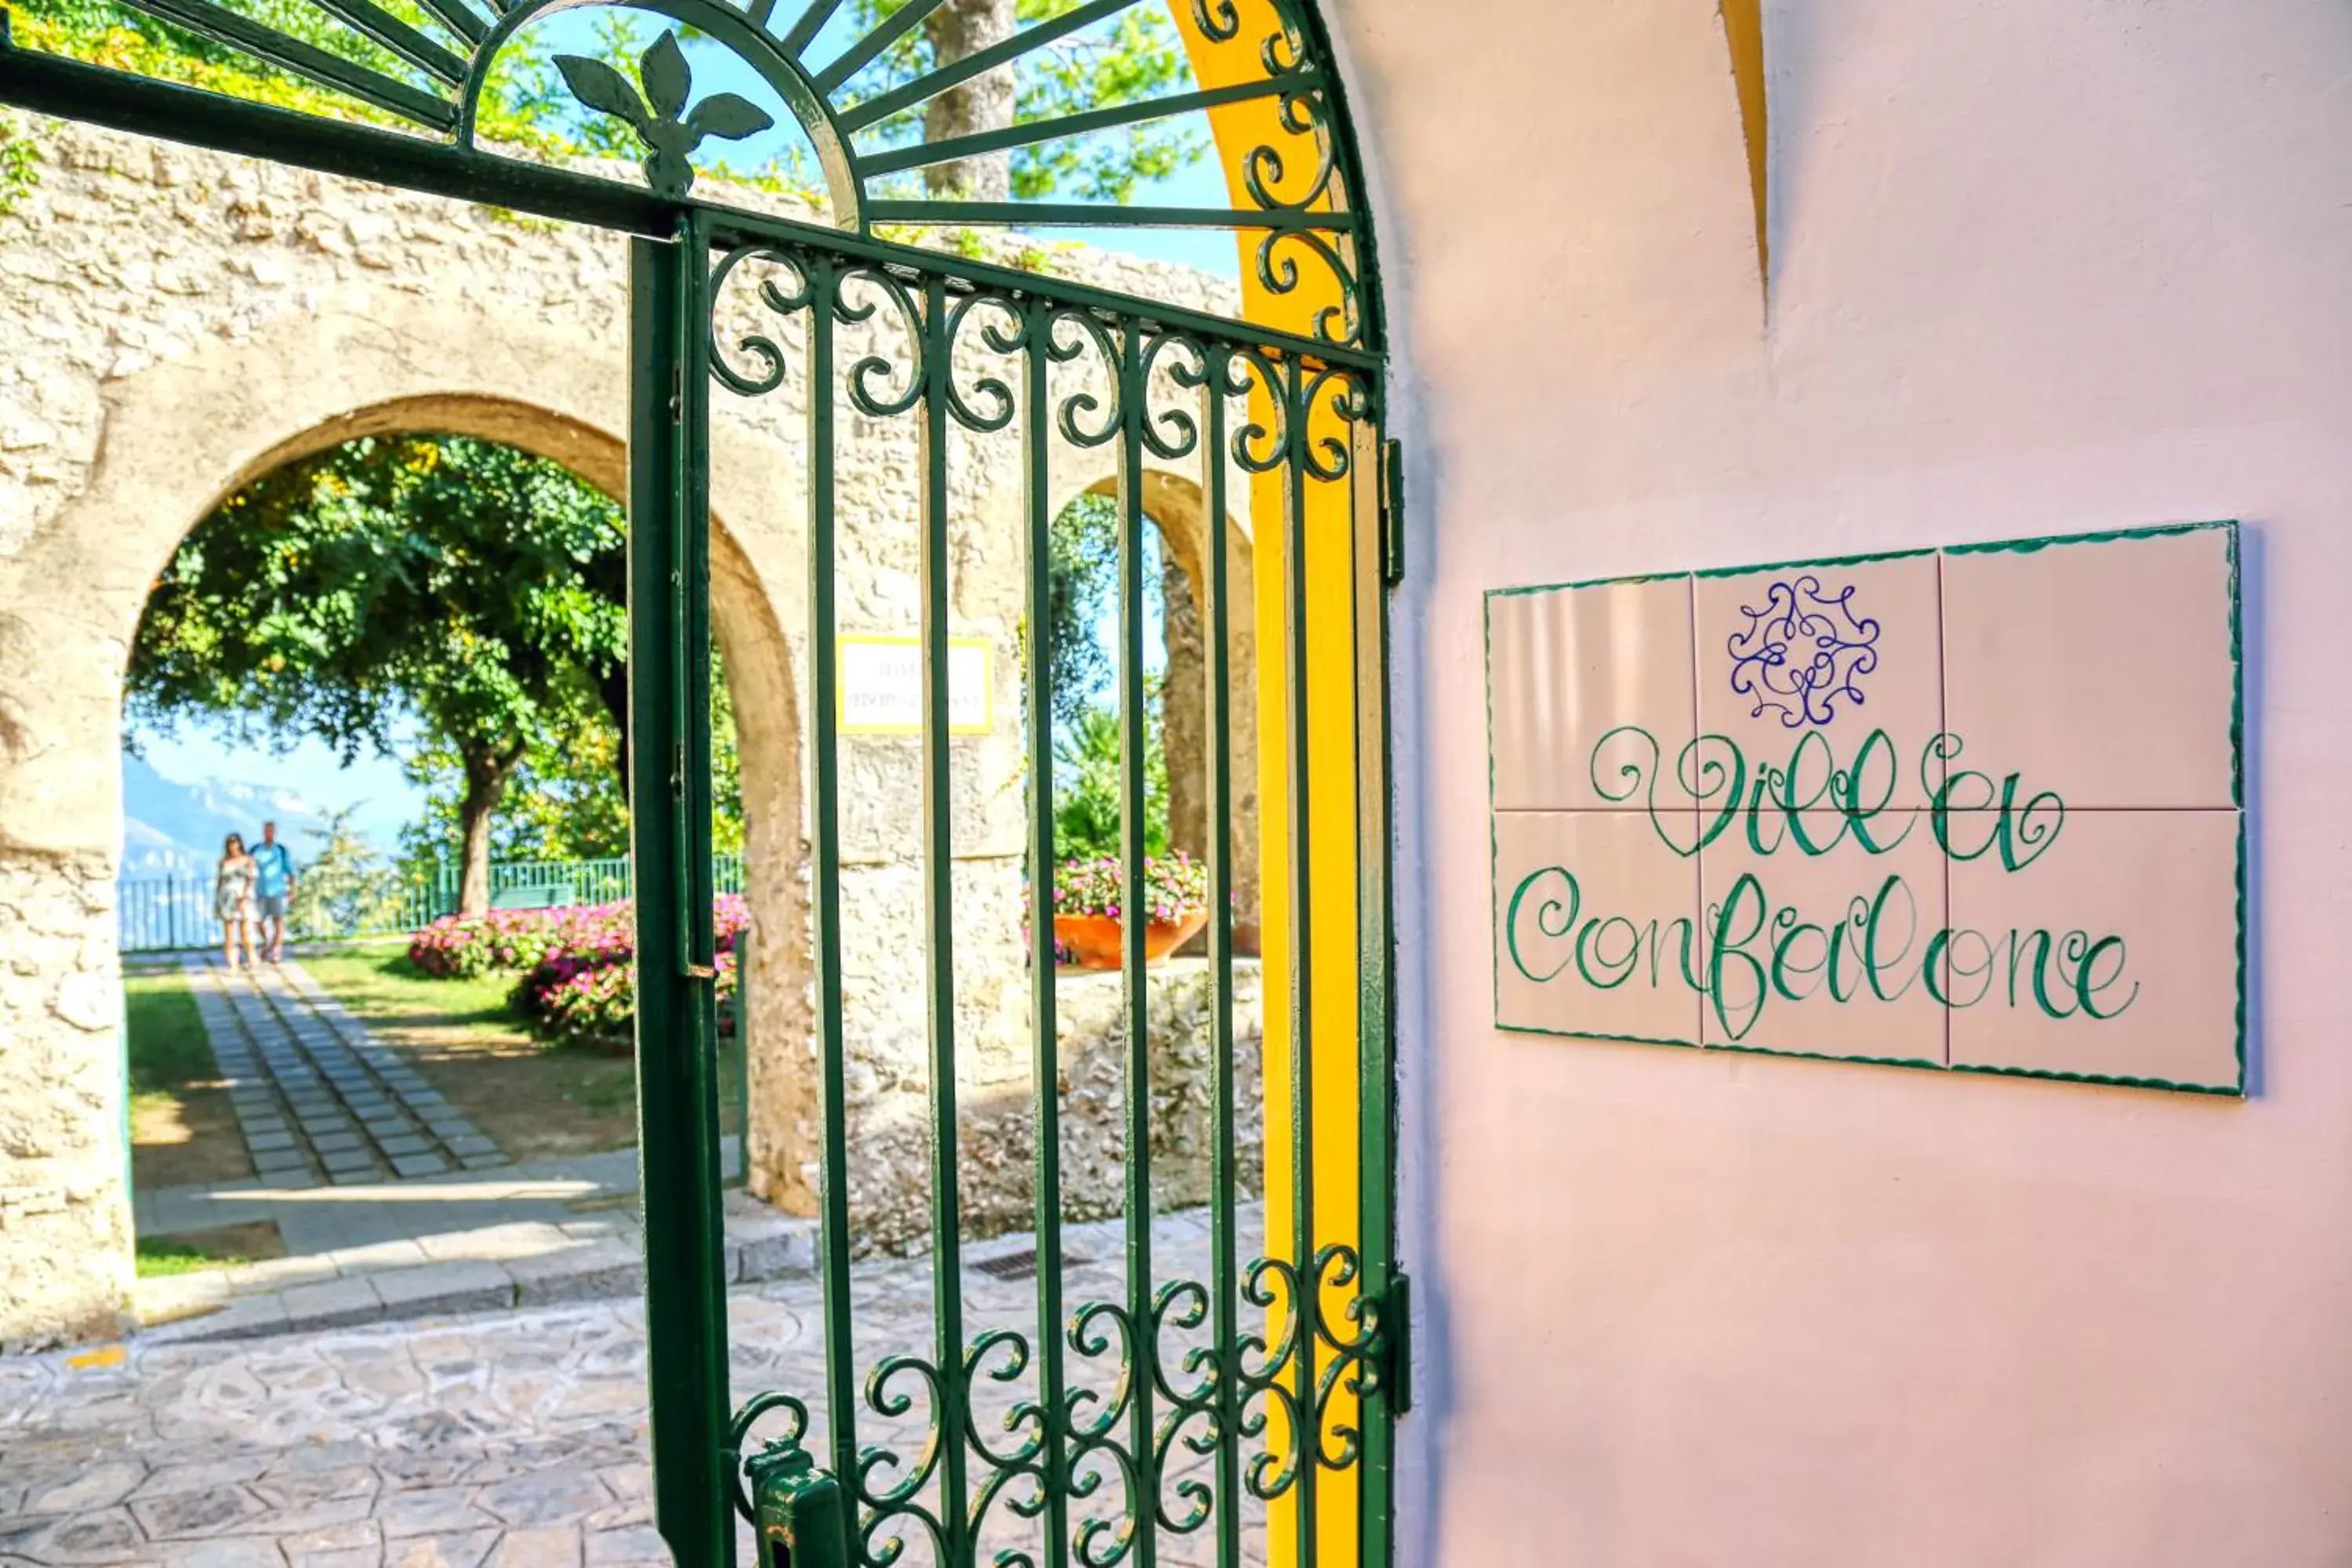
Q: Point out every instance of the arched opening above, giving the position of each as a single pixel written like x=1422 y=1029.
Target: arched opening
x=183 y=438
x=456 y=1001
x=1173 y=504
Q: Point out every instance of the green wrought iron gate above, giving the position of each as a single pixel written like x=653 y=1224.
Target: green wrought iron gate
x=1178 y=1419
x=1234 y=1412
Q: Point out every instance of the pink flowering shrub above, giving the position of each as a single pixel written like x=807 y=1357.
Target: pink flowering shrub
x=1175 y=886
x=577 y=965
x=462 y=946
x=583 y=1001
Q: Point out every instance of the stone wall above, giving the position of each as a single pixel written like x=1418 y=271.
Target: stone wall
x=996 y=1121
x=65 y=1213
x=178 y=323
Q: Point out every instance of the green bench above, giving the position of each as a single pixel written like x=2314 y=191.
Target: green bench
x=532 y=896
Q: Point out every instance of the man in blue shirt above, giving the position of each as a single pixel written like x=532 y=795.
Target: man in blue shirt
x=273 y=884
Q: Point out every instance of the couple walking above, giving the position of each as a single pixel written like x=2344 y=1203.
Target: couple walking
x=250 y=885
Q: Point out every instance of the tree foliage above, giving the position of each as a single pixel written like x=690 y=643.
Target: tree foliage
x=345 y=886
x=562 y=801
x=1082 y=584
x=1089 y=783
x=523 y=104
x=473 y=585
x=1081 y=587
x=469 y=581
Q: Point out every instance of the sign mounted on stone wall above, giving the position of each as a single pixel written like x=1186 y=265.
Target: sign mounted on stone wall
x=882 y=686
x=1980 y=808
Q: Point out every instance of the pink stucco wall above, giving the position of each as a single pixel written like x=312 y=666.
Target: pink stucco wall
x=2038 y=265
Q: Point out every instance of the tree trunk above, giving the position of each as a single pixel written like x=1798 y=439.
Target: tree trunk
x=957 y=29
x=485 y=782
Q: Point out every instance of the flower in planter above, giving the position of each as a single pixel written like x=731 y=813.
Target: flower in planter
x=1175 y=887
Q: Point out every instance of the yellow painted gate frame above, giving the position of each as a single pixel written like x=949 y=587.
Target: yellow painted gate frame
x=1334 y=690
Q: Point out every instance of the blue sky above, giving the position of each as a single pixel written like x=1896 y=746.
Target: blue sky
x=199 y=752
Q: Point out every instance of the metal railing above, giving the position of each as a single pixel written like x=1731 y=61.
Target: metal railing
x=164 y=914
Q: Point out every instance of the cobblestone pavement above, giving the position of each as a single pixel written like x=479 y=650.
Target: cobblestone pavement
x=515 y=1438
x=315 y=1094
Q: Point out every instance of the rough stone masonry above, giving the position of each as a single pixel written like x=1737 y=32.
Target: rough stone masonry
x=178 y=322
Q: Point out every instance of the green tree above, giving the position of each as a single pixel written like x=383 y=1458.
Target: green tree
x=1089 y=784
x=345 y=886
x=1081 y=584
x=471 y=585
x=562 y=801
x=522 y=102
x=1133 y=55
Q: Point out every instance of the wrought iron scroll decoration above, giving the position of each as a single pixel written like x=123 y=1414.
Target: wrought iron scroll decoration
x=1279 y=1399
x=1296 y=200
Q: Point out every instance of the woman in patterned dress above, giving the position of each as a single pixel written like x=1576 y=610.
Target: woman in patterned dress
x=233 y=900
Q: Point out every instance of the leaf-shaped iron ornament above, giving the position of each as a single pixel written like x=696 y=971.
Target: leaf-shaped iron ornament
x=660 y=119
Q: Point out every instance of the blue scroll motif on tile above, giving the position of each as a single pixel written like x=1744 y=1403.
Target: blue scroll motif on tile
x=1802 y=652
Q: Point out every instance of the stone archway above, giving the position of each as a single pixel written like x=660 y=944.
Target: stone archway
x=178 y=438
x=1174 y=502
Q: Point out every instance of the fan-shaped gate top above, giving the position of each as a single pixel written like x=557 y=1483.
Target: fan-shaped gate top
x=863 y=79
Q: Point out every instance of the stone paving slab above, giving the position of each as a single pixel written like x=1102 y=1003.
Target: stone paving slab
x=526 y=1264
x=453 y=1202
x=285 y=1046
x=511 y=1437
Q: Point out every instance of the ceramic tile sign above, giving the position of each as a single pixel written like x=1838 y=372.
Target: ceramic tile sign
x=1976 y=808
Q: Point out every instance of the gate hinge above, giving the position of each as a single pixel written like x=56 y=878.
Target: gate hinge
x=1396 y=1366
x=1392 y=512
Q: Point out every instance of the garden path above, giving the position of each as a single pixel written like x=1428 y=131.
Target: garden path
x=316 y=1095
x=454 y=1226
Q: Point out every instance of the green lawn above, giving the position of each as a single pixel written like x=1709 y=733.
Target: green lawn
x=167 y=1041
x=181 y=1128
x=535 y=1099
x=193 y=1250
x=377 y=982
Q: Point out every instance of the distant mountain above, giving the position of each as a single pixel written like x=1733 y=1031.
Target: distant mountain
x=173 y=829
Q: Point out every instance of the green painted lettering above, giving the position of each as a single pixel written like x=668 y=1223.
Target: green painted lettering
x=1727 y=950
x=1552 y=918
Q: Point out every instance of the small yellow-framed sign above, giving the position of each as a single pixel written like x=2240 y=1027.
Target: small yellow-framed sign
x=881 y=685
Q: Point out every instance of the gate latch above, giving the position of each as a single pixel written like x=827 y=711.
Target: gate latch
x=801 y=1512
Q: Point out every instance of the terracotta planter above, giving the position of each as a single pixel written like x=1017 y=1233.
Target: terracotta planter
x=1099 y=943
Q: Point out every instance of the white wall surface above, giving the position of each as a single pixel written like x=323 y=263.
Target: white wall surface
x=2038 y=266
